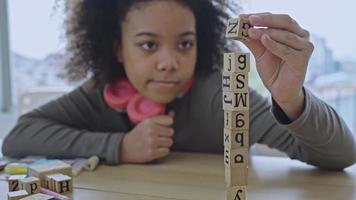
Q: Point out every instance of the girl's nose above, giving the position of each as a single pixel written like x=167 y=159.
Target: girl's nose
x=168 y=62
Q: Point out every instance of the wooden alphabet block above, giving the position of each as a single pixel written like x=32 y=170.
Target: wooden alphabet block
x=39 y=196
x=236 y=193
x=16 y=195
x=236 y=157
x=49 y=182
x=61 y=183
x=13 y=182
x=41 y=169
x=234 y=101
x=236 y=176
x=236 y=82
x=236 y=120
x=236 y=62
x=237 y=29
x=30 y=184
x=236 y=138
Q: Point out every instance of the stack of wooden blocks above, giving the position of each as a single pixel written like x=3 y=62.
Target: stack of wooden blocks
x=236 y=113
x=54 y=175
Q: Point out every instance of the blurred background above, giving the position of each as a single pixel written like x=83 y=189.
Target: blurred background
x=32 y=54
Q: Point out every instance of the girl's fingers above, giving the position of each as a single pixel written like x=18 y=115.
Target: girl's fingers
x=255 y=47
x=281 y=50
x=162 y=120
x=165 y=142
x=290 y=39
x=171 y=114
x=164 y=132
x=161 y=152
x=278 y=21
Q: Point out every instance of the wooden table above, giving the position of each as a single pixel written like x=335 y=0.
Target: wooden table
x=201 y=176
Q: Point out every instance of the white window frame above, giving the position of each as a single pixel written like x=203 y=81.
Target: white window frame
x=5 y=65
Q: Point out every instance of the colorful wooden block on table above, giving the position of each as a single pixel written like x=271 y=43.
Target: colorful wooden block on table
x=236 y=62
x=236 y=193
x=236 y=82
x=60 y=183
x=13 y=182
x=16 y=168
x=234 y=101
x=237 y=120
x=236 y=138
x=42 y=168
x=237 y=29
x=49 y=182
x=30 y=184
x=16 y=195
x=39 y=196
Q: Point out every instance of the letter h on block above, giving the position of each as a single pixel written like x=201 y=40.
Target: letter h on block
x=63 y=184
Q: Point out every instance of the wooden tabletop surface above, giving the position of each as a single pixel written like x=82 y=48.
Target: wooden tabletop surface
x=201 y=176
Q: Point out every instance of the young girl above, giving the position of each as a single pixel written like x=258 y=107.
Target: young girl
x=169 y=54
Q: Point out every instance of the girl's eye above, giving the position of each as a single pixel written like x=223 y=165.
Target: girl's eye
x=148 y=45
x=185 y=45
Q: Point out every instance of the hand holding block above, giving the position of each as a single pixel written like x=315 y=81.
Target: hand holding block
x=236 y=100
x=16 y=195
x=236 y=193
x=237 y=82
x=237 y=28
x=237 y=62
x=236 y=120
x=30 y=184
x=236 y=138
x=236 y=157
x=13 y=182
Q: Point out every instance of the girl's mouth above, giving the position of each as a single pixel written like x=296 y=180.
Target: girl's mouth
x=164 y=84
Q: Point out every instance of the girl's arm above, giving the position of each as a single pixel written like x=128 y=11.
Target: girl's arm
x=318 y=136
x=78 y=124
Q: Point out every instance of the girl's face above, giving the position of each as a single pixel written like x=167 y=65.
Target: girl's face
x=158 y=48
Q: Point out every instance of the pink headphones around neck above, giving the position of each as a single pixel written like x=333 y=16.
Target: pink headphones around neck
x=122 y=96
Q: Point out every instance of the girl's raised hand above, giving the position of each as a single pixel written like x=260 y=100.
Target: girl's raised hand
x=149 y=140
x=282 y=51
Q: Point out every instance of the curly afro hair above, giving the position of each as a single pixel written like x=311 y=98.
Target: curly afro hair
x=93 y=26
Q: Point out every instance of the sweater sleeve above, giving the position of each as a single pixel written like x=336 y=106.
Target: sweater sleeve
x=78 y=124
x=318 y=136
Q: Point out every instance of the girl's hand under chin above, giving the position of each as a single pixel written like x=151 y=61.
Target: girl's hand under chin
x=151 y=139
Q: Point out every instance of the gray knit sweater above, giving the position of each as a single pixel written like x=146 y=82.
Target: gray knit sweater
x=80 y=124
